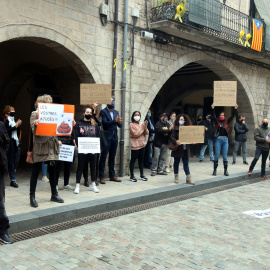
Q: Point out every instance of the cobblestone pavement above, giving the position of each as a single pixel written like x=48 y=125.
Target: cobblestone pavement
x=206 y=232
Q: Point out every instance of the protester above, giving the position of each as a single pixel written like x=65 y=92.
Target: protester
x=169 y=158
x=222 y=142
x=110 y=121
x=137 y=144
x=44 y=173
x=182 y=151
x=13 y=129
x=45 y=149
x=209 y=125
x=261 y=136
x=241 y=130
x=149 y=146
x=162 y=135
x=87 y=127
x=4 y=221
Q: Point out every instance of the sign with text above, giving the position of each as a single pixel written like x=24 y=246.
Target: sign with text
x=55 y=119
x=88 y=145
x=225 y=93
x=92 y=93
x=66 y=153
x=191 y=134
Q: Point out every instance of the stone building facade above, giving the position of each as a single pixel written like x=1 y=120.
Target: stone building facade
x=54 y=45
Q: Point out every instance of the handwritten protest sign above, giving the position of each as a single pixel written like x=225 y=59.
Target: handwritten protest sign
x=55 y=119
x=91 y=93
x=66 y=153
x=191 y=134
x=225 y=93
x=88 y=145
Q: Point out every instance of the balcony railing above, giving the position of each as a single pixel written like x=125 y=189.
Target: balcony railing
x=209 y=16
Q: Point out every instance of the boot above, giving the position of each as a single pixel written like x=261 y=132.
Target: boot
x=176 y=179
x=77 y=189
x=56 y=198
x=215 y=168
x=225 y=163
x=189 y=181
x=33 y=201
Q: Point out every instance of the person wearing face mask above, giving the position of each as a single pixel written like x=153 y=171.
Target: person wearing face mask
x=241 y=130
x=137 y=144
x=183 y=150
x=209 y=125
x=149 y=146
x=110 y=121
x=221 y=134
x=87 y=127
x=261 y=136
x=13 y=129
x=162 y=135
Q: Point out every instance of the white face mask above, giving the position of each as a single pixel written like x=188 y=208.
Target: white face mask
x=181 y=122
x=137 y=118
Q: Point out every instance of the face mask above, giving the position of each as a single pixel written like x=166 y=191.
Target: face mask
x=137 y=118
x=265 y=125
x=87 y=116
x=12 y=114
x=221 y=118
x=181 y=122
x=149 y=114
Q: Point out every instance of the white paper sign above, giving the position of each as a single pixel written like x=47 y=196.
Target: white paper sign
x=50 y=113
x=88 y=145
x=66 y=153
x=258 y=213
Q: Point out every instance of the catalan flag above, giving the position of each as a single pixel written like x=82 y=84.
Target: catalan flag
x=257 y=35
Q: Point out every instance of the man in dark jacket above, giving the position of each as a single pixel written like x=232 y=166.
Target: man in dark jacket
x=262 y=147
x=4 y=221
x=208 y=138
x=162 y=135
x=149 y=146
x=241 y=130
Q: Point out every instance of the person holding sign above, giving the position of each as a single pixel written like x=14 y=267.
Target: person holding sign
x=88 y=127
x=137 y=144
x=221 y=134
x=182 y=151
x=45 y=149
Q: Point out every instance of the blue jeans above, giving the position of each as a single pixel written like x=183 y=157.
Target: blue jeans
x=148 y=154
x=210 y=145
x=11 y=159
x=221 y=144
x=44 y=169
x=185 y=163
x=244 y=150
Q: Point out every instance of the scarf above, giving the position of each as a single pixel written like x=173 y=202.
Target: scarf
x=14 y=132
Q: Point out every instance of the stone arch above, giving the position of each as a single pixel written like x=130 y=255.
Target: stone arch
x=79 y=59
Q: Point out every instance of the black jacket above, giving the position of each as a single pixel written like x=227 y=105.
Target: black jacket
x=209 y=133
x=162 y=134
x=67 y=140
x=241 y=132
x=4 y=144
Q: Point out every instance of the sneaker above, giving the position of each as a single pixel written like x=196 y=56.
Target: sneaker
x=201 y=161
x=77 y=189
x=143 y=178
x=264 y=177
x=133 y=179
x=94 y=188
x=14 y=184
x=233 y=162
x=245 y=163
x=167 y=170
x=162 y=173
x=6 y=239
x=153 y=173
x=86 y=183
x=45 y=179
x=250 y=172
x=68 y=187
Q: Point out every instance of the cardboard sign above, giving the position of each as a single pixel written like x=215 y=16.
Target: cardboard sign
x=225 y=93
x=91 y=93
x=55 y=119
x=66 y=153
x=191 y=134
x=88 y=145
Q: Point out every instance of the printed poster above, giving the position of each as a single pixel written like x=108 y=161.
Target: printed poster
x=66 y=153
x=88 y=145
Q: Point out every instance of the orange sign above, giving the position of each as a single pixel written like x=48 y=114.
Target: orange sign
x=55 y=119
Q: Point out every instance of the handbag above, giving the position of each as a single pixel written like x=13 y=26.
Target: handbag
x=173 y=146
x=29 y=156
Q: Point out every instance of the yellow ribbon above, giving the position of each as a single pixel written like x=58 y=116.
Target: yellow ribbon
x=125 y=65
x=179 y=11
x=114 y=63
x=248 y=37
x=241 y=34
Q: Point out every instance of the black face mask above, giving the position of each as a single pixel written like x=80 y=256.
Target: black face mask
x=12 y=114
x=87 y=116
x=265 y=125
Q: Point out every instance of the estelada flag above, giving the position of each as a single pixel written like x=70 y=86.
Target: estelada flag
x=257 y=35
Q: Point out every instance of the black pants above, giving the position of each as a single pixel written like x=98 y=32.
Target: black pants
x=83 y=160
x=85 y=171
x=4 y=222
x=35 y=173
x=67 y=168
x=136 y=154
x=258 y=153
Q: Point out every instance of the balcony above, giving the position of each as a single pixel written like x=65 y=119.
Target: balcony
x=209 y=23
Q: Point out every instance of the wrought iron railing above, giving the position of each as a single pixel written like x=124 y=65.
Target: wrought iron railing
x=220 y=21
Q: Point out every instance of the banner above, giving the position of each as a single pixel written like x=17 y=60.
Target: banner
x=55 y=119
x=92 y=93
x=88 y=145
x=225 y=93
x=66 y=153
x=191 y=134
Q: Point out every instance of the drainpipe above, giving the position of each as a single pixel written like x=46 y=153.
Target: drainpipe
x=123 y=91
